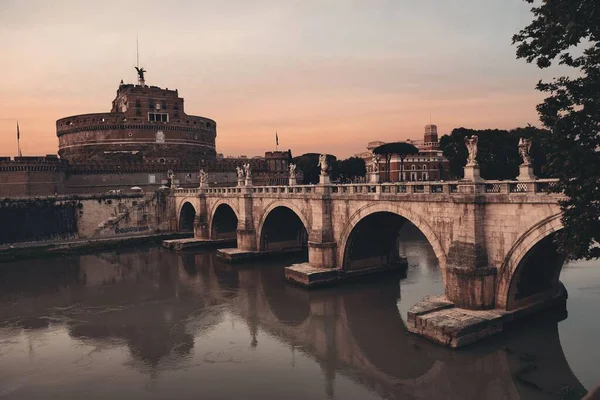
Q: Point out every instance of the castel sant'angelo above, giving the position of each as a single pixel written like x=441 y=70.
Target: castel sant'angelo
x=145 y=139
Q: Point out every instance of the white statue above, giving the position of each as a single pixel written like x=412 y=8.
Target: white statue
x=203 y=178
x=240 y=173
x=171 y=177
x=471 y=143
x=375 y=162
x=247 y=170
x=524 y=148
x=323 y=164
x=292 y=168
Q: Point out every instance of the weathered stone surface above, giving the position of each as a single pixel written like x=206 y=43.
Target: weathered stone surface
x=307 y=275
x=440 y=321
x=471 y=288
x=181 y=244
x=479 y=235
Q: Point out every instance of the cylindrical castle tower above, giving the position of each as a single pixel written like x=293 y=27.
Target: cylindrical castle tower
x=146 y=123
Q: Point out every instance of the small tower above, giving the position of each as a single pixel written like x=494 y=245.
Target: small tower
x=431 y=135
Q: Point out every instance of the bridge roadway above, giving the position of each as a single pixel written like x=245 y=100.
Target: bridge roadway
x=492 y=239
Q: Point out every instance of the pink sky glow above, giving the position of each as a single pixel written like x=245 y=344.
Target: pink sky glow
x=329 y=76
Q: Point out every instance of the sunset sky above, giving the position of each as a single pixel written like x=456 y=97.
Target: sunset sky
x=328 y=75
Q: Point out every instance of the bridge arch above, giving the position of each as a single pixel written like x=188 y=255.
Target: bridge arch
x=187 y=214
x=301 y=226
x=392 y=208
x=223 y=220
x=516 y=260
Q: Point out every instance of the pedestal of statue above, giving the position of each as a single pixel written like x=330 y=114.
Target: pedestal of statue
x=373 y=177
x=292 y=181
x=324 y=180
x=526 y=173
x=472 y=173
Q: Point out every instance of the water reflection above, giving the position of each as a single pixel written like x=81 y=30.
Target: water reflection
x=195 y=325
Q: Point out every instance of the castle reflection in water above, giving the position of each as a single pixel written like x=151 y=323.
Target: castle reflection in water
x=168 y=309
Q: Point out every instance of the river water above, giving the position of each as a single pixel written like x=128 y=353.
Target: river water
x=149 y=323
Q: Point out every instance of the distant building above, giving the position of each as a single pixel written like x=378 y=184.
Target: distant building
x=143 y=139
x=428 y=165
x=146 y=123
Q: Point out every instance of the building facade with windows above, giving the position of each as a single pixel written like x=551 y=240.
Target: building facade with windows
x=146 y=123
x=428 y=165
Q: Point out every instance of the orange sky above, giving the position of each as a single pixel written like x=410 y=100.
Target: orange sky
x=329 y=76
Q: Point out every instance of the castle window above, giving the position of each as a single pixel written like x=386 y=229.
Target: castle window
x=138 y=103
x=158 y=117
x=150 y=104
x=176 y=106
x=164 y=105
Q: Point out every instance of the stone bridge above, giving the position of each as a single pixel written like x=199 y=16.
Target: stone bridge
x=492 y=239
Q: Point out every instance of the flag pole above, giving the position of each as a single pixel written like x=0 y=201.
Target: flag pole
x=18 y=141
x=276 y=141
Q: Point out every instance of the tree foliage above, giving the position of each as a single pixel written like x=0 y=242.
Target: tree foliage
x=348 y=170
x=498 y=154
x=309 y=165
x=401 y=149
x=568 y=32
x=341 y=170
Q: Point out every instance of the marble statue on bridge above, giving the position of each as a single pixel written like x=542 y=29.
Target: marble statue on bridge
x=471 y=143
x=524 y=149
x=374 y=173
x=323 y=164
x=248 y=173
x=324 y=176
x=471 y=170
x=292 y=177
x=203 y=179
x=526 y=168
x=171 y=178
x=240 y=176
x=375 y=163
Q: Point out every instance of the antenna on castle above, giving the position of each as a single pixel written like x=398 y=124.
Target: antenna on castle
x=140 y=71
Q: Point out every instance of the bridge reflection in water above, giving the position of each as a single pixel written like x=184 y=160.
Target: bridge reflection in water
x=167 y=308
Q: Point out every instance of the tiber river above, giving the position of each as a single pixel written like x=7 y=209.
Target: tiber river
x=152 y=324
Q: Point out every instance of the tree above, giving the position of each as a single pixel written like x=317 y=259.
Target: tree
x=497 y=155
x=401 y=149
x=349 y=169
x=309 y=165
x=568 y=32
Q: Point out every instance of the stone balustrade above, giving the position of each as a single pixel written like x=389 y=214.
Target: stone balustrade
x=491 y=187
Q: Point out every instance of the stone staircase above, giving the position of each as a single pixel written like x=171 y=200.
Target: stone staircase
x=112 y=221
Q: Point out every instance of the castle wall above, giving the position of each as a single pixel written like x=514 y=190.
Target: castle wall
x=71 y=217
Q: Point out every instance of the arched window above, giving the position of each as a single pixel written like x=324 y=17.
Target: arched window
x=424 y=167
x=412 y=167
